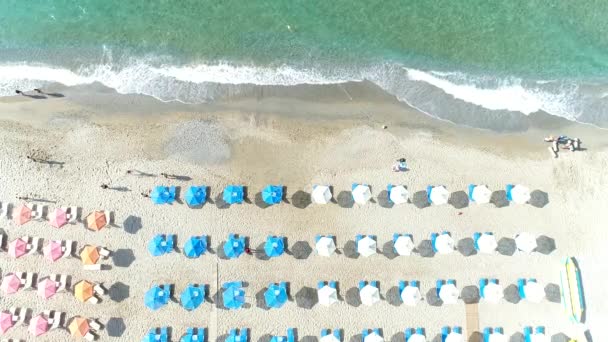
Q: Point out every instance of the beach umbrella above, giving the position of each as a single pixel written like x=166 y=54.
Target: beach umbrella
x=233 y=296
x=497 y=337
x=79 y=327
x=398 y=194
x=196 y=195
x=539 y=337
x=327 y=295
x=329 y=338
x=373 y=337
x=84 y=290
x=411 y=295
x=361 y=194
x=272 y=194
x=275 y=296
x=17 y=248
x=89 y=255
x=448 y=294
x=404 y=245
x=274 y=246
x=6 y=321
x=325 y=246
x=493 y=293
x=369 y=295
x=155 y=298
x=22 y=214
x=234 y=247
x=486 y=243
x=158 y=245
x=192 y=297
x=195 y=246
x=444 y=243
x=417 y=338
x=96 y=220
x=520 y=194
x=366 y=246
x=321 y=194
x=439 y=195
x=53 y=250
x=38 y=325
x=454 y=336
x=161 y=195
x=234 y=194
x=525 y=242
x=58 y=218
x=481 y=194
x=10 y=284
x=46 y=288
x=534 y=292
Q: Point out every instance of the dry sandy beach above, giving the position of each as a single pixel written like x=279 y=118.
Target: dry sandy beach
x=269 y=139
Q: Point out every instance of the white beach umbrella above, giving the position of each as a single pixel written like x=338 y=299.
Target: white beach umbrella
x=369 y=295
x=327 y=295
x=520 y=194
x=525 y=242
x=439 y=195
x=366 y=246
x=321 y=194
x=444 y=243
x=416 y=338
x=325 y=246
x=411 y=295
x=373 y=337
x=481 y=194
x=534 y=292
x=448 y=294
x=454 y=337
x=487 y=243
x=539 y=337
x=404 y=245
x=329 y=338
x=361 y=194
x=399 y=194
x=493 y=293
x=497 y=337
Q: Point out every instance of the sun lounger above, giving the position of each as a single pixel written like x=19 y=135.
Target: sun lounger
x=95 y=325
x=291 y=336
x=320 y=284
x=499 y=330
x=19 y=315
x=420 y=331
x=433 y=239
x=100 y=289
x=362 y=284
x=324 y=332
x=71 y=214
x=364 y=334
x=27 y=280
x=540 y=330
x=170 y=242
x=444 y=333
x=520 y=285
x=67 y=248
x=56 y=319
x=408 y=333
x=200 y=335
x=61 y=280
x=94 y=267
x=105 y=253
x=2 y=241
x=457 y=329
x=438 y=284
x=527 y=333
x=332 y=284
x=37 y=212
x=34 y=245
x=374 y=283
x=93 y=300
x=3 y=210
x=89 y=336
x=337 y=334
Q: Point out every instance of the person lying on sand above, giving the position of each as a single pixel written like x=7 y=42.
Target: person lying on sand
x=572 y=144
x=400 y=165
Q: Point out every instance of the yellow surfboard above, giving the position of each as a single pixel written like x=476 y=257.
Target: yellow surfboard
x=572 y=291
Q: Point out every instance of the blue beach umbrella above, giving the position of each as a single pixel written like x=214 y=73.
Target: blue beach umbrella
x=233 y=194
x=275 y=296
x=233 y=296
x=163 y=195
x=196 y=195
x=195 y=246
x=155 y=298
x=272 y=194
x=234 y=247
x=158 y=245
x=274 y=246
x=192 y=297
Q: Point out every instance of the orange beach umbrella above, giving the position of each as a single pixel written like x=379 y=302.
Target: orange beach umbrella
x=83 y=291
x=79 y=327
x=96 y=220
x=89 y=255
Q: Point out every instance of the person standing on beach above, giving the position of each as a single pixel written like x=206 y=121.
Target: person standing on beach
x=104 y=186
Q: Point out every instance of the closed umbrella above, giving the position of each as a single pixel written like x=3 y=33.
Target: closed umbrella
x=366 y=246
x=58 y=218
x=369 y=295
x=79 y=327
x=487 y=243
x=439 y=195
x=39 y=325
x=233 y=194
x=96 y=220
x=17 y=248
x=444 y=243
x=272 y=194
x=321 y=194
x=448 y=294
x=520 y=194
x=22 y=214
x=192 y=297
x=233 y=296
x=275 y=296
x=325 y=246
x=196 y=195
x=411 y=295
x=195 y=246
x=534 y=292
x=404 y=245
x=525 y=242
x=10 y=284
x=361 y=194
x=493 y=293
x=234 y=247
x=481 y=194
x=46 y=288
x=373 y=337
x=6 y=321
x=327 y=295
x=53 y=250
x=89 y=255
x=398 y=194
x=274 y=246
x=84 y=290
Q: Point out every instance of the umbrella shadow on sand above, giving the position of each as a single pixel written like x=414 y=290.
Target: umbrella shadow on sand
x=506 y=246
x=459 y=199
x=538 y=198
x=389 y=251
x=561 y=337
x=398 y=337
x=384 y=201
x=309 y=339
x=132 y=224
x=466 y=247
x=301 y=199
x=123 y=257
x=306 y=297
x=259 y=201
x=432 y=298
x=517 y=337
x=260 y=301
x=393 y=297
x=545 y=245
x=425 y=249
x=553 y=293
x=300 y=250
x=350 y=250
x=470 y=294
x=345 y=199
x=220 y=203
x=511 y=294
x=119 y=291
x=115 y=327
x=356 y=338
x=260 y=254
x=352 y=297
x=420 y=199
x=499 y=199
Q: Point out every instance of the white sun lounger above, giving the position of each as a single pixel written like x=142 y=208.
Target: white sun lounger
x=37 y=211
x=56 y=319
x=2 y=240
x=93 y=300
x=4 y=210
x=94 y=267
x=104 y=252
x=33 y=245
x=18 y=315
x=100 y=289
x=67 y=248
x=71 y=214
x=95 y=325
x=28 y=280
x=90 y=336
x=108 y=218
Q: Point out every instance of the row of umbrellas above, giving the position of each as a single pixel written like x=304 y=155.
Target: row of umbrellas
x=57 y=249
x=322 y=194
x=41 y=323
x=46 y=288
x=59 y=217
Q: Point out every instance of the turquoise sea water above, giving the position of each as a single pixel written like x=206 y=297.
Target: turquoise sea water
x=474 y=56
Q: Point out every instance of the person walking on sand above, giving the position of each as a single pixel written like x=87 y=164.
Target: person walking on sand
x=166 y=175
x=145 y=194
x=104 y=186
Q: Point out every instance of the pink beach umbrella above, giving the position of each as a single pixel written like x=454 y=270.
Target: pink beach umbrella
x=47 y=288
x=22 y=214
x=58 y=218
x=17 y=248
x=6 y=321
x=38 y=325
x=53 y=251
x=10 y=284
